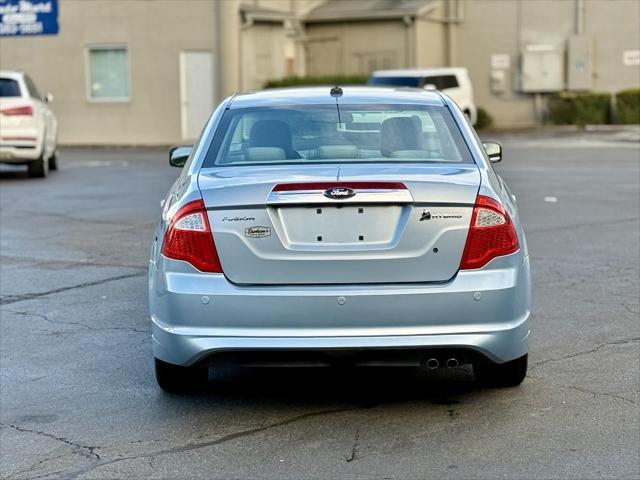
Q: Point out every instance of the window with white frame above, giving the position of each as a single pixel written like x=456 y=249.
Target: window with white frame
x=108 y=71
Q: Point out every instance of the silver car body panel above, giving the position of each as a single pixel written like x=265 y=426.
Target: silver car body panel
x=281 y=291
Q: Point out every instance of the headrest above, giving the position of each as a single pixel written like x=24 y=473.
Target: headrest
x=400 y=133
x=270 y=133
x=264 y=154
x=337 y=151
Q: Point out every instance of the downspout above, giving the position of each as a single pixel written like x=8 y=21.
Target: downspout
x=410 y=60
x=453 y=16
x=579 y=17
x=218 y=53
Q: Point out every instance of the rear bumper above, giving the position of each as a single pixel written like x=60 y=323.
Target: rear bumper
x=195 y=315
x=20 y=151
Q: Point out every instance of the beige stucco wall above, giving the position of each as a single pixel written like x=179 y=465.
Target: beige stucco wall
x=504 y=27
x=154 y=35
x=615 y=28
x=357 y=47
x=263 y=54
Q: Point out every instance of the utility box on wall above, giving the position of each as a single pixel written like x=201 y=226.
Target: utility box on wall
x=542 y=68
x=579 y=63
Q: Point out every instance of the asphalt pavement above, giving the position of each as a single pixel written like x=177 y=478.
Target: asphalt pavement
x=78 y=397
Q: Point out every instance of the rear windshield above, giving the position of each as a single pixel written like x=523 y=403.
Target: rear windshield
x=9 y=88
x=397 y=81
x=442 y=82
x=322 y=134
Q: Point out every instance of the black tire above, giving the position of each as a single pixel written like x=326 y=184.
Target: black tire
x=53 y=162
x=38 y=168
x=509 y=374
x=176 y=379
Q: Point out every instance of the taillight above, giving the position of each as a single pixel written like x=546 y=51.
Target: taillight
x=189 y=238
x=491 y=234
x=26 y=110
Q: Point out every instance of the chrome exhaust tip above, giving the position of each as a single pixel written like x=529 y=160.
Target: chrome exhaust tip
x=452 y=363
x=432 y=363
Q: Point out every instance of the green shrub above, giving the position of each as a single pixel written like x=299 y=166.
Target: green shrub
x=483 y=120
x=628 y=106
x=579 y=109
x=320 y=80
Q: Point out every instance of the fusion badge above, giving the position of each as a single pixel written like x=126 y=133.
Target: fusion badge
x=257 y=232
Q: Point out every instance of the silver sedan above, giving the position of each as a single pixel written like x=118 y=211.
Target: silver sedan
x=324 y=226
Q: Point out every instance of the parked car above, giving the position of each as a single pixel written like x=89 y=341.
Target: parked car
x=362 y=225
x=28 y=126
x=455 y=82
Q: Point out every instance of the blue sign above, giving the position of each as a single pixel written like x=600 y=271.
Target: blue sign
x=28 y=17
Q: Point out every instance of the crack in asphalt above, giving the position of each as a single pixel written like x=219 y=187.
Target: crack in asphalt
x=354 y=449
x=83 y=450
x=30 y=296
x=595 y=393
x=99 y=462
x=79 y=324
x=584 y=352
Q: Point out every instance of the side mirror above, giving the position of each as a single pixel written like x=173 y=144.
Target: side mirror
x=48 y=98
x=494 y=151
x=430 y=86
x=178 y=156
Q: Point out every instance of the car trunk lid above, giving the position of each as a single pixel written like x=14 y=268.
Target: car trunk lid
x=348 y=224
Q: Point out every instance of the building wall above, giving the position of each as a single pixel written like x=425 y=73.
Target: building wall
x=430 y=48
x=264 y=54
x=357 y=47
x=506 y=27
x=154 y=38
x=615 y=28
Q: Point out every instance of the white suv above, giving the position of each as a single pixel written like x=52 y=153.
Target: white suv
x=28 y=127
x=454 y=82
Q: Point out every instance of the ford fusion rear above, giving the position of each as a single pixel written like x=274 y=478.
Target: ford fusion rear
x=315 y=228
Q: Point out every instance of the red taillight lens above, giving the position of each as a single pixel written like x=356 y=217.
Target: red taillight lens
x=491 y=234
x=189 y=238
x=26 y=110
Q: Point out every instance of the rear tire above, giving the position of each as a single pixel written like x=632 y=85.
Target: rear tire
x=53 y=161
x=509 y=374
x=176 y=379
x=38 y=168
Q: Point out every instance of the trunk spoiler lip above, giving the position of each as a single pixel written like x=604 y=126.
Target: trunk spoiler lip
x=215 y=208
x=355 y=192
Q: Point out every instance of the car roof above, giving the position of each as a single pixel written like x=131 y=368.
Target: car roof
x=322 y=95
x=420 y=72
x=13 y=74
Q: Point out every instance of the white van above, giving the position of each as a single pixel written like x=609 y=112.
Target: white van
x=453 y=81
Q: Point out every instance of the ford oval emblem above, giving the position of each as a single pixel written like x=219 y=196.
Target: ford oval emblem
x=339 y=193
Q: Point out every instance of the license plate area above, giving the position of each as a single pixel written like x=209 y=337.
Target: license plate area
x=340 y=225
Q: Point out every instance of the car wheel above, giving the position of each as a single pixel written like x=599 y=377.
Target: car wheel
x=509 y=374
x=39 y=168
x=176 y=379
x=53 y=161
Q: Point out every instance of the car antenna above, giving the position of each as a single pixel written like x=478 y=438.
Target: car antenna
x=336 y=92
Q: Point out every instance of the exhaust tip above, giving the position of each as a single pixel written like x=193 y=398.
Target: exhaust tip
x=452 y=363
x=432 y=363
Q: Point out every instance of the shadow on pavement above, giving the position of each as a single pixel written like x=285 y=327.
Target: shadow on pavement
x=358 y=387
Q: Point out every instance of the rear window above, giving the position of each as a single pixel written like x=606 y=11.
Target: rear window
x=397 y=81
x=9 y=88
x=442 y=82
x=322 y=134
